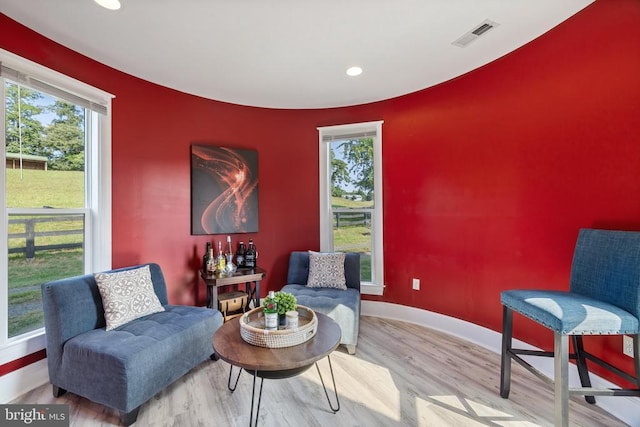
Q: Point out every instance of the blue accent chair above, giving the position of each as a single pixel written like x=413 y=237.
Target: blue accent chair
x=603 y=299
x=343 y=306
x=124 y=367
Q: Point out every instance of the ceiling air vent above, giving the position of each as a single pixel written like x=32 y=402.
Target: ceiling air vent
x=475 y=33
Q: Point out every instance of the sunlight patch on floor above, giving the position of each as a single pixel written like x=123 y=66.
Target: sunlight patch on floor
x=482 y=410
x=382 y=394
x=450 y=409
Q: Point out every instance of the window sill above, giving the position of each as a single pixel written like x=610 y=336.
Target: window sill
x=23 y=346
x=371 y=289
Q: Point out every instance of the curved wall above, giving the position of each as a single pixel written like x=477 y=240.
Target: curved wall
x=487 y=178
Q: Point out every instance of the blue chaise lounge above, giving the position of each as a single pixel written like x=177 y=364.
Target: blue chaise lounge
x=123 y=367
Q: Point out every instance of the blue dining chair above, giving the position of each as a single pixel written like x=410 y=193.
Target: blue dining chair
x=603 y=299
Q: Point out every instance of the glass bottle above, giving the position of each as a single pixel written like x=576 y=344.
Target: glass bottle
x=240 y=255
x=221 y=261
x=211 y=262
x=251 y=257
x=230 y=267
x=205 y=257
x=271 y=312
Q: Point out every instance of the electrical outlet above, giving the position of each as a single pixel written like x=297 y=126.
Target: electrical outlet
x=627 y=345
x=416 y=284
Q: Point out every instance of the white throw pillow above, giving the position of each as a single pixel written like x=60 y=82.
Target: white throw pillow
x=127 y=295
x=326 y=270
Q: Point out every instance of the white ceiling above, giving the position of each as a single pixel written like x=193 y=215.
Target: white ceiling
x=292 y=53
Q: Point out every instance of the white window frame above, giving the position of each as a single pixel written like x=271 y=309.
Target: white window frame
x=98 y=189
x=376 y=286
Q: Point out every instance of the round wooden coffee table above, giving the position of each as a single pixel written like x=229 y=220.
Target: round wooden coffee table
x=276 y=363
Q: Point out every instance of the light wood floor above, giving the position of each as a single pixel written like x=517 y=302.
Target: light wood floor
x=401 y=375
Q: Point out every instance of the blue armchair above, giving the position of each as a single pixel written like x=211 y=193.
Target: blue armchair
x=343 y=306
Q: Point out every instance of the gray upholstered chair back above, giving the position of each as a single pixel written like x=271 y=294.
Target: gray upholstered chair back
x=299 y=269
x=606 y=267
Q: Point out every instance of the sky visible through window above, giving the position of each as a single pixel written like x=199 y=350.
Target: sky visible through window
x=339 y=154
x=45 y=102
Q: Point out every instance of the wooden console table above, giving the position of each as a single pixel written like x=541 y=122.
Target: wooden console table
x=251 y=277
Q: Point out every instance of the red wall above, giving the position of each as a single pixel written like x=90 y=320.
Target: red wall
x=487 y=178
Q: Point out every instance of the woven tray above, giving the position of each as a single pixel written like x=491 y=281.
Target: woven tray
x=252 y=329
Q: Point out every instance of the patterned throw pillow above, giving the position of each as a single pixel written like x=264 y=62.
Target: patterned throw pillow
x=127 y=295
x=326 y=270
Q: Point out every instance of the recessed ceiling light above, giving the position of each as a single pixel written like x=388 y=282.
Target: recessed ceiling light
x=354 y=71
x=109 y=4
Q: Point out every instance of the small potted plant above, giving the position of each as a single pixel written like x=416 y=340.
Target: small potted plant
x=286 y=302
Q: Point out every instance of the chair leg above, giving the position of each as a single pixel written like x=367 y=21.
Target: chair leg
x=128 y=418
x=58 y=391
x=581 y=364
x=351 y=348
x=636 y=357
x=561 y=379
x=505 y=362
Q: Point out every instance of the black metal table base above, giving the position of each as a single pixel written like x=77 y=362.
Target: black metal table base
x=335 y=389
x=280 y=375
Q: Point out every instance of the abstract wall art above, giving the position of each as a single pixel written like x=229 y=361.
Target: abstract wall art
x=224 y=190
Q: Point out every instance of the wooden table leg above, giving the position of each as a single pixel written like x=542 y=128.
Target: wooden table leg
x=214 y=296
x=253 y=293
x=256 y=286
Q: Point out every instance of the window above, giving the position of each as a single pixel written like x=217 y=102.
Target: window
x=351 y=197
x=56 y=200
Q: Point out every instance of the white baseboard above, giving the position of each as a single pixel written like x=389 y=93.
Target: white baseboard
x=16 y=383
x=624 y=408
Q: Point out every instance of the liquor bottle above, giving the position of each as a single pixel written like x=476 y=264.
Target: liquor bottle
x=205 y=258
x=211 y=262
x=251 y=257
x=240 y=255
x=271 y=312
x=230 y=267
x=221 y=261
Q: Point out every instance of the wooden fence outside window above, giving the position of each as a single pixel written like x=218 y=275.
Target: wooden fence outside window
x=30 y=234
